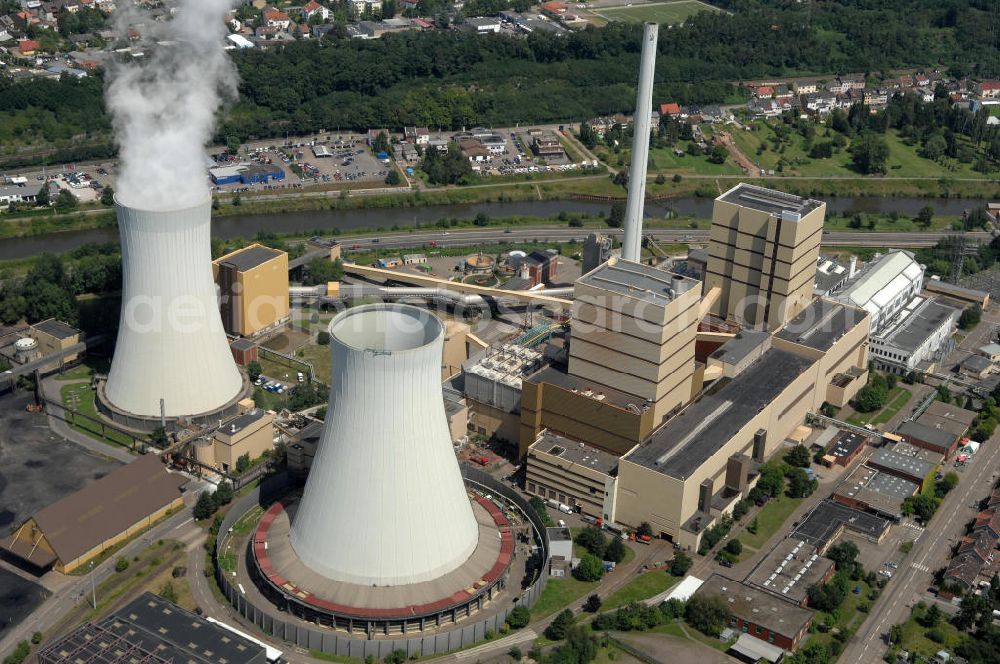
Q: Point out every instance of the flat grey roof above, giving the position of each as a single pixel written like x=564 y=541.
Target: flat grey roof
x=949 y=411
x=770 y=201
x=251 y=257
x=685 y=441
x=760 y=608
x=242 y=422
x=576 y=452
x=976 y=363
x=845 y=444
x=912 y=466
x=637 y=280
x=826 y=519
x=821 y=324
x=789 y=559
x=737 y=348
x=558 y=376
x=946 y=287
x=242 y=344
x=939 y=438
x=56 y=328
x=910 y=333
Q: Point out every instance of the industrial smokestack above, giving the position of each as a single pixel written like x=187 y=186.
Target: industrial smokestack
x=385 y=503
x=632 y=244
x=171 y=347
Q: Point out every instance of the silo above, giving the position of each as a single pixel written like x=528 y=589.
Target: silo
x=385 y=502
x=171 y=345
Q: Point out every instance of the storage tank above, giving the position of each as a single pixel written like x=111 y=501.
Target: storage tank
x=385 y=503
x=171 y=344
x=25 y=350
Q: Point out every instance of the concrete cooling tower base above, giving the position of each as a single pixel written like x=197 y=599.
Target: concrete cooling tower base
x=148 y=422
x=278 y=570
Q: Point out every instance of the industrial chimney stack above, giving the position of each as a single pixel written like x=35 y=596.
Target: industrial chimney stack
x=632 y=244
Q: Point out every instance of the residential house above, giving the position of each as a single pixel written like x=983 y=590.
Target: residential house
x=876 y=97
x=763 y=108
x=475 y=150
x=670 y=109
x=362 y=7
x=276 y=19
x=27 y=47
x=783 y=92
x=764 y=92
x=805 y=86
x=313 y=8
x=416 y=135
x=821 y=103
x=989 y=89
x=852 y=81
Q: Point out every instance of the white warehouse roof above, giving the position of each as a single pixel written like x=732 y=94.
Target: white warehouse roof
x=883 y=281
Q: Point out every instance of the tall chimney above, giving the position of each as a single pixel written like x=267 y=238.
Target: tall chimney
x=632 y=243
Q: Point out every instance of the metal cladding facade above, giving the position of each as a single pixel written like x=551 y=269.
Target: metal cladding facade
x=632 y=243
x=171 y=344
x=385 y=503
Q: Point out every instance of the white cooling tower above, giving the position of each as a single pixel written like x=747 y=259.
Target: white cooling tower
x=171 y=344
x=385 y=503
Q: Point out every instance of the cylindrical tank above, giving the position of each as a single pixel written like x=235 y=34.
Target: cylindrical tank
x=385 y=503
x=25 y=350
x=171 y=344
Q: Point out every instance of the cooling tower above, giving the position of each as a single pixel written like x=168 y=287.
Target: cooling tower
x=385 y=503
x=171 y=344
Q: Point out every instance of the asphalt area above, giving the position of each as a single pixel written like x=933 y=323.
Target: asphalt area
x=37 y=468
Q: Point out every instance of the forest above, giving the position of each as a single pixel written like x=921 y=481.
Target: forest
x=453 y=78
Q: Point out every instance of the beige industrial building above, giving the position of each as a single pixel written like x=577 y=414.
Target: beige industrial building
x=250 y=433
x=54 y=336
x=253 y=290
x=634 y=330
x=573 y=473
x=763 y=248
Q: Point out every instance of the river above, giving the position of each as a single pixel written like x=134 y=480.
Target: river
x=353 y=219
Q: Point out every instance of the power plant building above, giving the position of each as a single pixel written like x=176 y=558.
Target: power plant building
x=763 y=249
x=253 y=290
x=171 y=358
x=634 y=330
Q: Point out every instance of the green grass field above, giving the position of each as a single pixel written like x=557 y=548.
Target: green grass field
x=904 y=160
x=665 y=13
x=769 y=520
x=80 y=397
x=898 y=397
x=644 y=586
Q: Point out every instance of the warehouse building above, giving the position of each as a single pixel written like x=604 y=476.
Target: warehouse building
x=253 y=290
x=948 y=417
x=911 y=467
x=575 y=474
x=869 y=490
x=963 y=296
x=790 y=569
x=759 y=614
x=75 y=530
x=937 y=440
x=885 y=286
x=844 y=448
x=830 y=519
x=246 y=174
x=763 y=250
x=154 y=631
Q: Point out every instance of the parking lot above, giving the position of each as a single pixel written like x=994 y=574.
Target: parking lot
x=329 y=160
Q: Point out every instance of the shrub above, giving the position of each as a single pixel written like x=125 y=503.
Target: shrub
x=615 y=551
x=681 y=563
x=121 y=565
x=593 y=604
x=734 y=547
x=519 y=617
x=556 y=631
x=590 y=568
x=515 y=654
x=323 y=338
x=593 y=540
x=36 y=638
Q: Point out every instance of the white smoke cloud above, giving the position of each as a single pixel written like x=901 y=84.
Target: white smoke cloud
x=164 y=106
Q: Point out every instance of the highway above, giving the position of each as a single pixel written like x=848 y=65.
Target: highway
x=458 y=238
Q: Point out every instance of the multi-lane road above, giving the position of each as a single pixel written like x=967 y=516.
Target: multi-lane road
x=458 y=238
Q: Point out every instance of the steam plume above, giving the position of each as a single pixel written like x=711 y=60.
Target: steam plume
x=164 y=107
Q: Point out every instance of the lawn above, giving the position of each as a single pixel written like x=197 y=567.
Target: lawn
x=80 y=397
x=646 y=585
x=915 y=637
x=664 y=159
x=845 y=618
x=559 y=593
x=682 y=631
x=904 y=160
x=769 y=520
x=898 y=397
x=666 y=13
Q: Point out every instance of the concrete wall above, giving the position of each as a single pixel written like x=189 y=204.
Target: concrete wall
x=295 y=634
